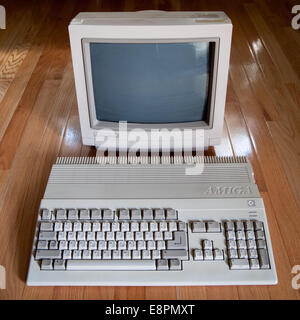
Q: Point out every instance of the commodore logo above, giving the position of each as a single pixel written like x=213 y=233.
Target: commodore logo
x=218 y=190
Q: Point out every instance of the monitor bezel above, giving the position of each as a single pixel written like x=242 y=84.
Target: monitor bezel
x=99 y=124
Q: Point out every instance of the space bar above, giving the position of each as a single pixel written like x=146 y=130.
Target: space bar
x=111 y=265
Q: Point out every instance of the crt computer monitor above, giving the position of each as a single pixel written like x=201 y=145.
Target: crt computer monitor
x=154 y=70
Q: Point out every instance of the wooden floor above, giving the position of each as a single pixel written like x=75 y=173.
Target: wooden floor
x=39 y=121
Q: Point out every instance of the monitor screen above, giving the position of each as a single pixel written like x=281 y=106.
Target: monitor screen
x=151 y=82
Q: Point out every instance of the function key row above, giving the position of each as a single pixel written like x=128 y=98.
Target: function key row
x=108 y=214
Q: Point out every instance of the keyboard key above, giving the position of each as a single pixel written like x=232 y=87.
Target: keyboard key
x=241 y=244
x=198 y=227
x=82 y=245
x=61 y=214
x=213 y=226
x=124 y=214
x=134 y=227
x=116 y=254
x=106 y=254
x=131 y=245
x=67 y=254
x=115 y=226
x=232 y=254
x=136 y=254
x=207 y=244
x=58 y=226
x=96 y=226
x=231 y=244
x=53 y=245
x=102 y=245
x=126 y=254
x=105 y=226
x=263 y=259
x=59 y=264
x=153 y=226
x=261 y=244
x=72 y=214
x=162 y=265
x=46 y=226
x=175 y=264
x=249 y=226
x=129 y=235
x=108 y=214
x=258 y=226
x=240 y=235
x=68 y=226
x=136 y=214
x=171 y=214
x=112 y=245
x=158 y=235
x=48 y=235
x=172 y=226
x=77 y=226
x=151 y=245
x=130 y=265
x=80 y=235
x=198 y=254
x=159 y=214
x=218 y=254
x=251 y=244
x=122 y=245
x=161 y=245
x=259 y=235
x=254 y=264
x=229 y=226
x=250 y=235
x=243 y=254
x=182 y=226
x=96 y=254
x=148 y=214
x=100 y=236
x=92 y=245
x=179 y=242
x=230 y=235
x=96 y=214
x=110 y=235
x=239 y=226
x=42 y=244
x=156 y=254
x=46 y=214
x=86 y=254
x=148 y=235
x=163 y=226
x=252 y=253
x=84 y=214
x=87 y=226
x=146 y=254
x=71 y=236
x=238 y=264
x=208 y=254
x=120 y=235
x=141 y=245
x=48 y=254
x=125 y=226
x=46 y=264
x=77 y=254
x=73 y=245
x=175 y=254
x=139 y=235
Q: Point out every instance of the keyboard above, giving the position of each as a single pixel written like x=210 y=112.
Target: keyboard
x=102 y=218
